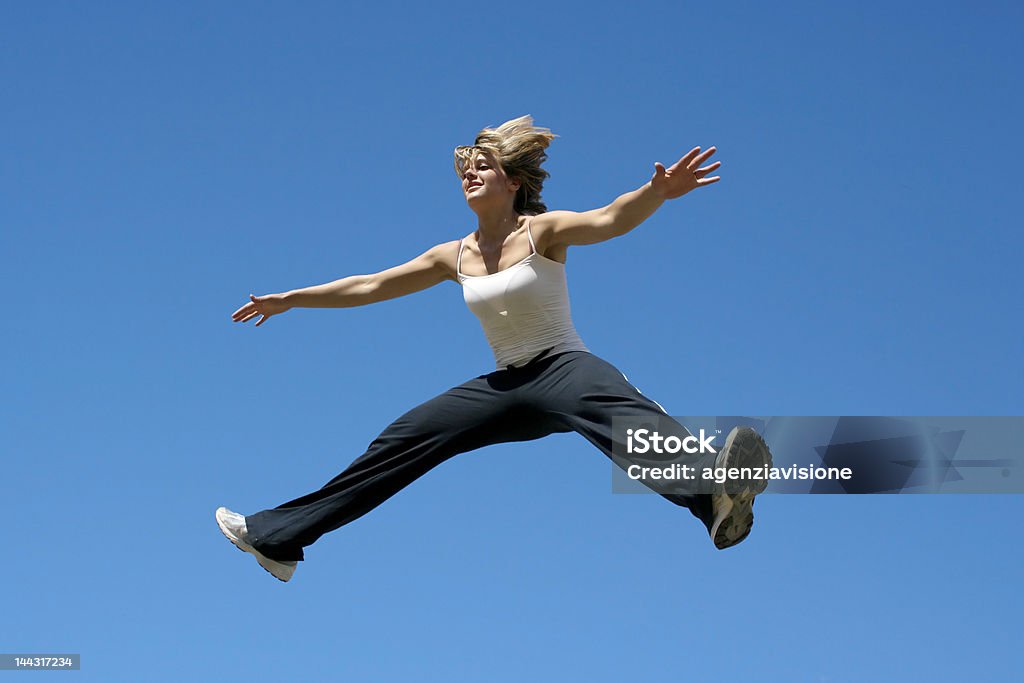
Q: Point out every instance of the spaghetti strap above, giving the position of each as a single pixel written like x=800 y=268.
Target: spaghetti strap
x=530 y=234
x=458 y=262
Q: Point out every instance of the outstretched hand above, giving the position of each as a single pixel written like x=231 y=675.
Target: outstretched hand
x=684 y=175
x=266 y=306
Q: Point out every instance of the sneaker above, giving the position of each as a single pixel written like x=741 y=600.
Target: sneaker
x=734 y=503
x=232 y=525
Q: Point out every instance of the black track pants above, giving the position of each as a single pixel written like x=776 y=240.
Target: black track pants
x=570 y=391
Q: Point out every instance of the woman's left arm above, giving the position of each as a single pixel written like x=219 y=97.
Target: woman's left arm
x=633 y=208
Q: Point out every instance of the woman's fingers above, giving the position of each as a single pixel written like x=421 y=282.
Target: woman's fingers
x=685 y=161
x=693 y=159
x=253 y=308
x=257 y=306
x=701 y=172
x=245 y=313
x=697 y=161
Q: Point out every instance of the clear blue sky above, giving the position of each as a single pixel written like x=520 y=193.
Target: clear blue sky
x=859 y=257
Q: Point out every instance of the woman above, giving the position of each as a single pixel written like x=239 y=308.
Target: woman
x=513 y=277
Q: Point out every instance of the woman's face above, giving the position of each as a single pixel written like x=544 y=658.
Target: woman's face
x=483 y=180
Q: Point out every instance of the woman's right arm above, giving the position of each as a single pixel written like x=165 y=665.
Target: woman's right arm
x=426 y=270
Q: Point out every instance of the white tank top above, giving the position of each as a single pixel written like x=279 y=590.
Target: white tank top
x=524 y=309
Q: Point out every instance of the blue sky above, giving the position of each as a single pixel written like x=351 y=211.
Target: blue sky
x=859 y=257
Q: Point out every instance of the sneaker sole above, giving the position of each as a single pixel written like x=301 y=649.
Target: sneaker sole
x=246 y=548
x=745 y=448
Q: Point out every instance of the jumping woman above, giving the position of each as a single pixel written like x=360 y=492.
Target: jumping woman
x=512 y=273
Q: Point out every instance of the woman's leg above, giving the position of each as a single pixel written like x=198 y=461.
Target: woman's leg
x=483 y=411
x=586 y=393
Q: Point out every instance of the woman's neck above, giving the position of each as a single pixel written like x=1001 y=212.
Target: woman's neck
x=493 y=228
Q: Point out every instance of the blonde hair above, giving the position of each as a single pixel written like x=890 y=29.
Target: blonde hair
x=519 y=147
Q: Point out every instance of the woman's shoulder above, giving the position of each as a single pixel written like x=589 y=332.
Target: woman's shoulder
x=449 y=250
x=443 y=256
x=541 y=226
x=542 y=223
